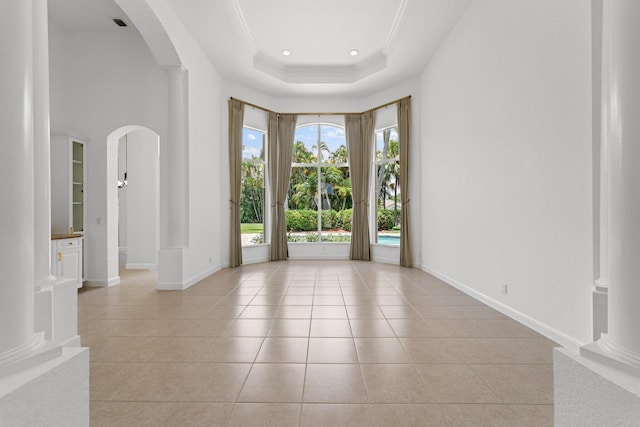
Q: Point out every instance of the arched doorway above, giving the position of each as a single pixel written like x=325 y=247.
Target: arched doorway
x=133 y=239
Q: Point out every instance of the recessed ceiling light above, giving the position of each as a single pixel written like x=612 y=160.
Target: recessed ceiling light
x=286 y=52
x=354 y=52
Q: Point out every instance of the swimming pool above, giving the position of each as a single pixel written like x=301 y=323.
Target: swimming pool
x=388 y=239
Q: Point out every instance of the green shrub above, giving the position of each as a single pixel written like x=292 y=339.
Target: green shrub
x=306 y=219
x=301 y=220
x=344 y=219
x=329 y=219
x=385 y=219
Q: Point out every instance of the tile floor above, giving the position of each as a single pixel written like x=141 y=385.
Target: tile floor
x=302 y=343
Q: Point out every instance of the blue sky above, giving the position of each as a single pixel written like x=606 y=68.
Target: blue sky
x=252 y=143
x=333 y=136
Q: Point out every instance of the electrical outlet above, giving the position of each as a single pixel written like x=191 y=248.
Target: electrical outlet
x=505 y=289
x=209 y=260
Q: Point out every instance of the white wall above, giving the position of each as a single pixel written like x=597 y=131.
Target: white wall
x=104 y=82
x=142 y=199
x=506 y=155
x=122 y=196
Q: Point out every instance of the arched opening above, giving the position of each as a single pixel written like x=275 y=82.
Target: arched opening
x=134 y=237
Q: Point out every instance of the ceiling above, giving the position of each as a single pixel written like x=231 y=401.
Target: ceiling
x=244 y=39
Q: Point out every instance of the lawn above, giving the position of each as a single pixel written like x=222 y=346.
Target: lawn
x=251 y=228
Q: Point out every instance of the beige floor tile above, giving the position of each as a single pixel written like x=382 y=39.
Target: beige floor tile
x=249 y=328
x=194 y=414
x=234 y=349
x=266 y=300
x=416 y=328
x=259 y=312
x=273 y=383
x=477 y=350
x=294 y=312
x=533 y=415
x=381 y=350
x=224 y=312
x=328 y=300
x=176 y=349
x=176 y=352
x=289 y=328
x=337 y=383
x=283 y=350
x=107 y=378
x=383 y=300
x=330 y=328
x=325 y=290
x=362 y=328
x=392 y=383
x=480 y=415
x=265 y=415
x=212 y=382
x=153 y=382
x=332 y=350
x=117 y=414
x=407 y=415
x=272 y=290
x=348 y=415
x=117 y=349
x=232 y=299
x=297 y=300
x=508 y=382
x=454 y=383
x=329 y=312
x=364 y=312
x=300 y=291
x=499 y=328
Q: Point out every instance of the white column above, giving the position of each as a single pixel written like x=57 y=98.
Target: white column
x=622 y=35
x=174 y=185
x=624 y=189
x=42 y=144
x=16 y=186
x=174 y=158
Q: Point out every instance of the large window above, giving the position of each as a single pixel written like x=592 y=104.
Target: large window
x=319 y=201
x=252 y=193
x=387 y=186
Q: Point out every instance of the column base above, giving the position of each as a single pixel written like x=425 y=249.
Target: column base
x=608 y=353
x=588 y=393
x=35 y=352
x=53 y=393
x=170 y=269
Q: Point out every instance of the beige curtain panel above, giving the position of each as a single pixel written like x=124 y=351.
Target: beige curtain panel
x=236 y=119
x=272 y=167
x=359 y=130
x=404 y=126
x=284 y=153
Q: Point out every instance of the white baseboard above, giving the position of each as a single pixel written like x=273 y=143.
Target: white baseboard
x=180 y=286
x=538 y=326
x=102 y=283
x=141 y=266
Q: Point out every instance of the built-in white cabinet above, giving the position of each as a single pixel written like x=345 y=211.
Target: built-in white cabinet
x=66 y=262
x=68 y=182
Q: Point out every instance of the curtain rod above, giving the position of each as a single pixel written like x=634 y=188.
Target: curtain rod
x=379 y=107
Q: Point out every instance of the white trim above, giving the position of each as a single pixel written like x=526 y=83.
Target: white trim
x=381 y=253
x=141 y=266
x=103 y=283
x=397 y=24
x=538 y=326
x=178 y=286
x=261 y=253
